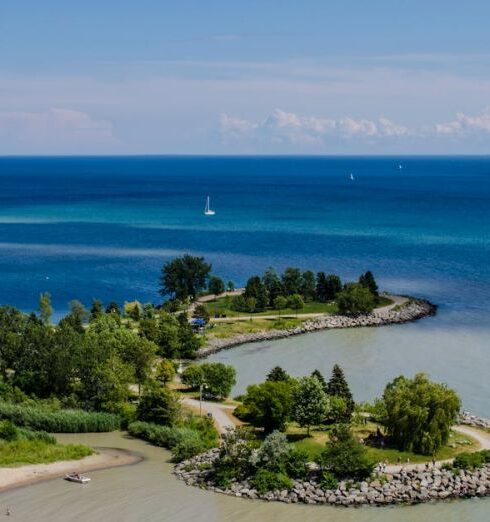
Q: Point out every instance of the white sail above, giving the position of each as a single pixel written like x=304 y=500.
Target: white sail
x=207 y=209
x=352 y=177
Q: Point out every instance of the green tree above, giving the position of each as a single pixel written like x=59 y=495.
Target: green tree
x=273 y=285
x=160 y=405
x=256 y=289
x=367 y=281
x=280 y=303
x=277 y=374
x=201 y=312
x=113 y=308
x=344 y=456
x=189 y=342
x=419 y=413
x=308 y=285
x=292 y=281
x=269 y=404
x=238 y=303
x=230 y=286
x=327 y=286
x=76 y=317
x=355 y=299
x=216 y=285
x=316 y=373
x=296 y=302
x=165 y=371
x=338 y=387
x=184 y=277
x=310 y=403
x=96 y=309
x=251 y=304
x=338 y=410
x=45 y=308
x=192 y=376
x=219 y=378
x=137 y=352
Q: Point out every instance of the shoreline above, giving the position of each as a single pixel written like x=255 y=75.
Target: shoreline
x=411 y=310
x=105 y=458
x=400 y=485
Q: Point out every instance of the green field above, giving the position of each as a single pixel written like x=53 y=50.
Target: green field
x=315 y=444
x=21 y=452
x=231 y=328
x=222 y=306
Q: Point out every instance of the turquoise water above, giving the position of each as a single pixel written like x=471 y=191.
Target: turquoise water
x=102 y=227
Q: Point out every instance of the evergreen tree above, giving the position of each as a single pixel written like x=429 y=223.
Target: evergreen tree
x=273 y=285
x=45 y=308
x=367 y=281
x=316 y=373
x=327 y=286
x=96 y=310
x=113 y=308
x=277 y=374
x=308 y=286
x=337 y=386
x=256 y=289
x=184 y=277
x=216 y=285
x=291 y=281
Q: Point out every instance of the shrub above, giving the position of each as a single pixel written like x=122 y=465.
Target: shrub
x=265 y=480
x=188 y=445
x=329 y=481
x=8 y=431
x=159 y=405
x=344 y=456
x=273 y=452
x=472 y=460
x=296 y=464
x=62 y=421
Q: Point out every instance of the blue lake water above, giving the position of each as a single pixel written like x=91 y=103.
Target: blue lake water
x=89 y=228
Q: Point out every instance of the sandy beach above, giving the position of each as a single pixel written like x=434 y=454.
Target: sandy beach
x=31 y=473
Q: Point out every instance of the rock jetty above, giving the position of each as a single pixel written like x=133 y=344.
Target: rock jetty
x=411 y=310
x=410 y=487
x=467 y=418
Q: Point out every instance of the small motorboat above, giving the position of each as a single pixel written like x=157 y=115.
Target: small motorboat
x=76 y=477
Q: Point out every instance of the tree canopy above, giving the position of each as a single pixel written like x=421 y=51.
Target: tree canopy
x=337 y=386
x=184 y=277
x=419 y=413
x=355 y=299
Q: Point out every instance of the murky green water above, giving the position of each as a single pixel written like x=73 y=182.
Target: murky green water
x=149 y=492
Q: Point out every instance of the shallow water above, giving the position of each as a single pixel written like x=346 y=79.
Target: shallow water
x=149 y=492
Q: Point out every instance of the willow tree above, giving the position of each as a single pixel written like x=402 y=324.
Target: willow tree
x=419 y=413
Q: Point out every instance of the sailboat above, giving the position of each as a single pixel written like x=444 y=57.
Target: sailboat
x=352 y=178
x=207 y=209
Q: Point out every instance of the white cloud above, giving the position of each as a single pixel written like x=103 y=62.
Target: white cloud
x=464 y=124
x=287 y=127
x=54 y=129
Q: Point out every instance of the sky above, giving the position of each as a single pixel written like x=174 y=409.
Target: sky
x=244 y=77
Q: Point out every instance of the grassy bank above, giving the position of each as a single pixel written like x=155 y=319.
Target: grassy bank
x=21 y=452
x=60 y=421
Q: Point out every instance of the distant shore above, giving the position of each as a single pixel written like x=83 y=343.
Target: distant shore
x=15 y=477
x=403 y=310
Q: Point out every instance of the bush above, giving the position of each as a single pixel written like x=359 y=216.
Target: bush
x=472 y=460
x=159 y=405
x=190 y=444
x=273 y=452
x=8 y=431
x=329 y=481
x=265 y=480
x=193 y=437
x=62 y=421
x=344 y=456
x=296 y=464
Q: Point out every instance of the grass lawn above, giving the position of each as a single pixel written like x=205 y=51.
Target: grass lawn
x=20 y=452
x=222 y=306
x=315 y=444
x=231 y=328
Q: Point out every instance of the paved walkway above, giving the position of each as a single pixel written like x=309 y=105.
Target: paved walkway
x=218 y=411
x=482 y=437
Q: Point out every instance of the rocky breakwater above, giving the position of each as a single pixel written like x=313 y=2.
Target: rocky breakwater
x=410 y=310
x=468 y=419
x=410 y=487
